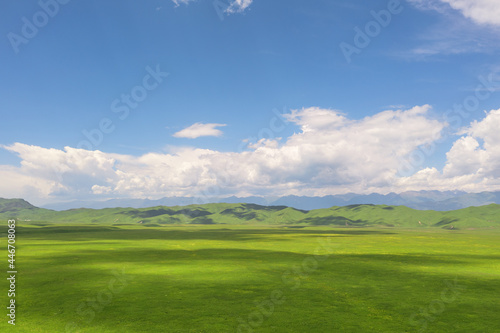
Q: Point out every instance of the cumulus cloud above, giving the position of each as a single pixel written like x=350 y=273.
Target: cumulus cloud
x=16 y=183
x=197 y=130
x=330 y=154
x=472 y=164
x=56 y=173
x=478 y=151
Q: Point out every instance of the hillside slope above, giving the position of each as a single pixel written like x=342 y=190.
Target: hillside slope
x=363 y=215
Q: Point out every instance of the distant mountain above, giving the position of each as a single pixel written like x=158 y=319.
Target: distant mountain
x=250 y=200
x=462 y=201
x=144 y=203
x=113 y=203
x=421 y=200
x=361 y=215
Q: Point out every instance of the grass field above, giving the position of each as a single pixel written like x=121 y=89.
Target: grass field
x=220 y=278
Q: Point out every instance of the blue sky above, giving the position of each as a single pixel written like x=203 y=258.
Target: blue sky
x=256 y=70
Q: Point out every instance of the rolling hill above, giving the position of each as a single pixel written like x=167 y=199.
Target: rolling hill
x=362 y=215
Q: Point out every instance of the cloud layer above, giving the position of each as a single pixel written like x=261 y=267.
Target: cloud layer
x=330 y=154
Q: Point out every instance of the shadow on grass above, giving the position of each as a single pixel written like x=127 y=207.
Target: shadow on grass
x=136 y=213
x=246 y=256
x=334 y=220
x=84 y=233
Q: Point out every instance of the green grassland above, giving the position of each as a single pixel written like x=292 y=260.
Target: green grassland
x=267 y=269
x=213 y=278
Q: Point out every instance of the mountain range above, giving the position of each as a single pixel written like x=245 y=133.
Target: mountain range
x=420 y=200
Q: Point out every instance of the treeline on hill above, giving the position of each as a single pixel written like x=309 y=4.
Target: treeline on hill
x=223 y=213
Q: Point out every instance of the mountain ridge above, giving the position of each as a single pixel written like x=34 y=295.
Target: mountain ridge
x=420 y=200
x=358 y=215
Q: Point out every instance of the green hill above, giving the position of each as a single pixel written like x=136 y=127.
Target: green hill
x=224 y=213
x=15 y=205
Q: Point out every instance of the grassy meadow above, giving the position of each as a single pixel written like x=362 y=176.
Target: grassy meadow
x=254 y=278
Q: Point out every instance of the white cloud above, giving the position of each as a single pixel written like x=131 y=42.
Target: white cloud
x=486 y=155
x=315 y=118
x=473 y=162
x=480 y=11
x=330 y=154
x=56 y=173
x=238 y=6
x=16 y=183
x=179 y=2
x=233 y=6
x=197 y=130
x=436 y=5
x=464 y=157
